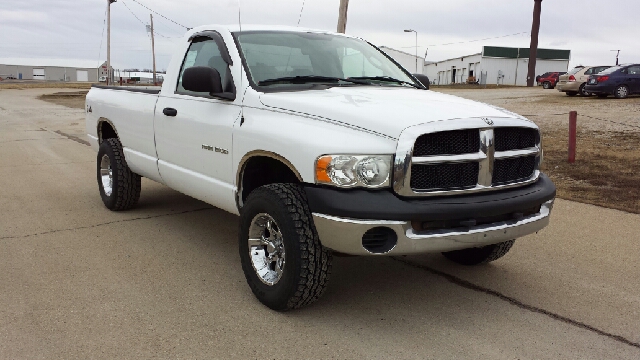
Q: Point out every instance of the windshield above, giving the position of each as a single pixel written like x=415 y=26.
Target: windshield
x=575 y=70
x=295 y=58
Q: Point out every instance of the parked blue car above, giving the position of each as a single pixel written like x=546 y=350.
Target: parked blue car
x=619 y=81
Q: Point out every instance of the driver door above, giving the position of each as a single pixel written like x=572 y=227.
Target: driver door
x=194 y=133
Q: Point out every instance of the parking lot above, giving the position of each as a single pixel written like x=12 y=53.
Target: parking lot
x=164 y=280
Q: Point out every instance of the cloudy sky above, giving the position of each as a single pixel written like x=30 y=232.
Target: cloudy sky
x=73 y=29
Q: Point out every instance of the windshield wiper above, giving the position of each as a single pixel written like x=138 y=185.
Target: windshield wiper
x=305 y=79
x=387 y=79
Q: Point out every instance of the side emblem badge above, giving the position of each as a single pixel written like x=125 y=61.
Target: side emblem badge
x=488 y=121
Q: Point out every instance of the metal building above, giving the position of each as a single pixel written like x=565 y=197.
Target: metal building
x=53 y=69
x=408 y=61
x=496 y=65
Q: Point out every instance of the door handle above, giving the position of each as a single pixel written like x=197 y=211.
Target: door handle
x=170 y=112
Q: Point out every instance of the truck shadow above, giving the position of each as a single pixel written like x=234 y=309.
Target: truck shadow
x=373 y=291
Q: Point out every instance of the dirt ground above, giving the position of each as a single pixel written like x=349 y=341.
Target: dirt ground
x=608 y=143
x=74 y=99
x=20 y=85
x=606 y=171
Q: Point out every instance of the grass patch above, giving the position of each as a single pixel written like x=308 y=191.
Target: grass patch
x=606 y=171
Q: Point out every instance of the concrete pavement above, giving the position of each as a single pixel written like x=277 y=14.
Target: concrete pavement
x=164 y=280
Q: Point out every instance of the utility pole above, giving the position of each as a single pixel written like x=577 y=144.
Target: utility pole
x=109 y=2
x=153 y=50
x=533 y=48
x=413 y=31
x=617 y=57
x=342 y=16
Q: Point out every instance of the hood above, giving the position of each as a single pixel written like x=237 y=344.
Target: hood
x=384 y=110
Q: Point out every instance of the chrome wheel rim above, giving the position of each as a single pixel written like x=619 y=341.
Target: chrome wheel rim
x=106 y=175
x=266 y=249
x=622 y=91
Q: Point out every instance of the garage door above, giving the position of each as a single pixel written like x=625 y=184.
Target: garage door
x=82 y=75
x=38 y=74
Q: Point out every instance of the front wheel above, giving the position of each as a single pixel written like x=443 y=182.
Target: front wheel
x=482 y=255
x=119 y=186
x=546 y=85
x=282 y=258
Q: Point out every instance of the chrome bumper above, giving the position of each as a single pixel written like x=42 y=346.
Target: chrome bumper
x=345 y=235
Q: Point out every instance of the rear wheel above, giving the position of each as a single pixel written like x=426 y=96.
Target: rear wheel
x=583 y=92
x=622 y=92
x=547 y=85
x=482 y=255
x=119 y=186
x=571 y=93
x=282 y=258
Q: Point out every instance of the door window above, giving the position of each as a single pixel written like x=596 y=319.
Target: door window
x=202 y=53
x=634 y=70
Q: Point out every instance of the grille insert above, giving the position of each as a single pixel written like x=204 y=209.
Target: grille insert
x=444 y=176
x=513 y=170
x=447 y=143
x=514 y=138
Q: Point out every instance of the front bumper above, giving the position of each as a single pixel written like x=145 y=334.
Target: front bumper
x=342 y=229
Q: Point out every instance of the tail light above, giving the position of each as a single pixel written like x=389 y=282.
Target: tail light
x=602 y=78
x=572 y=78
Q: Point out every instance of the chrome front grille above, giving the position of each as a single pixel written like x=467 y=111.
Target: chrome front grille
x=434 y=160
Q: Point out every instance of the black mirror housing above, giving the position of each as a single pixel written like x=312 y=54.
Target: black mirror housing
x=424 y=80
x=202 y=79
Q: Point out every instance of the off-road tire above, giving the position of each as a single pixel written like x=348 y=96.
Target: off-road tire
x=307 y=263
x=546 y=85
x=126 y=185
x=571 y=93
x=622 y=92
x=482 y=255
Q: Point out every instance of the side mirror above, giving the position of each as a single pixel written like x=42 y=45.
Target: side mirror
x=202 y=79
x=424 y=80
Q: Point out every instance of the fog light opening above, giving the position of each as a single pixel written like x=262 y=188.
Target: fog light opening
x=379 y=240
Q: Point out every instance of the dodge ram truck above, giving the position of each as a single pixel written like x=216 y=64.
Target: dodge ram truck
x=323 y=145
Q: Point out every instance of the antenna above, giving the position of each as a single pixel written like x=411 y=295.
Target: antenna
x=301 y=10
x=240 y=64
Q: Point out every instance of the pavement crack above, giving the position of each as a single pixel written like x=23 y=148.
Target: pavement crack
x=16 y=140
x=103 y=224
x=74 y=138
x=471 y=286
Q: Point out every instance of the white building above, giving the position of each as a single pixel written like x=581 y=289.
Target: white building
x=408 y=61
x=53 y=69
x=496 y=65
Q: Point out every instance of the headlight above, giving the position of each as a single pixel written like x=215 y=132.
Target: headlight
x=371 y=171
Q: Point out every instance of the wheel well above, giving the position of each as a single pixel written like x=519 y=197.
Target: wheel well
x=262 y=170
x=106 y=131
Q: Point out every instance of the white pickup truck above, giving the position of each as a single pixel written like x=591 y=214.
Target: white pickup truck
x=323 y=145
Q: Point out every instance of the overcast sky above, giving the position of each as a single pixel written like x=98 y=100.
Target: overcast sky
x=74 y=28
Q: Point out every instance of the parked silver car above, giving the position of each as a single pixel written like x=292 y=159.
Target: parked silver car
x=573 y=82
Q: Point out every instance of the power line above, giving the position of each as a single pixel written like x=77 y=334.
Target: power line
x=157 y=13
x=142 y=22
x=469 y=41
